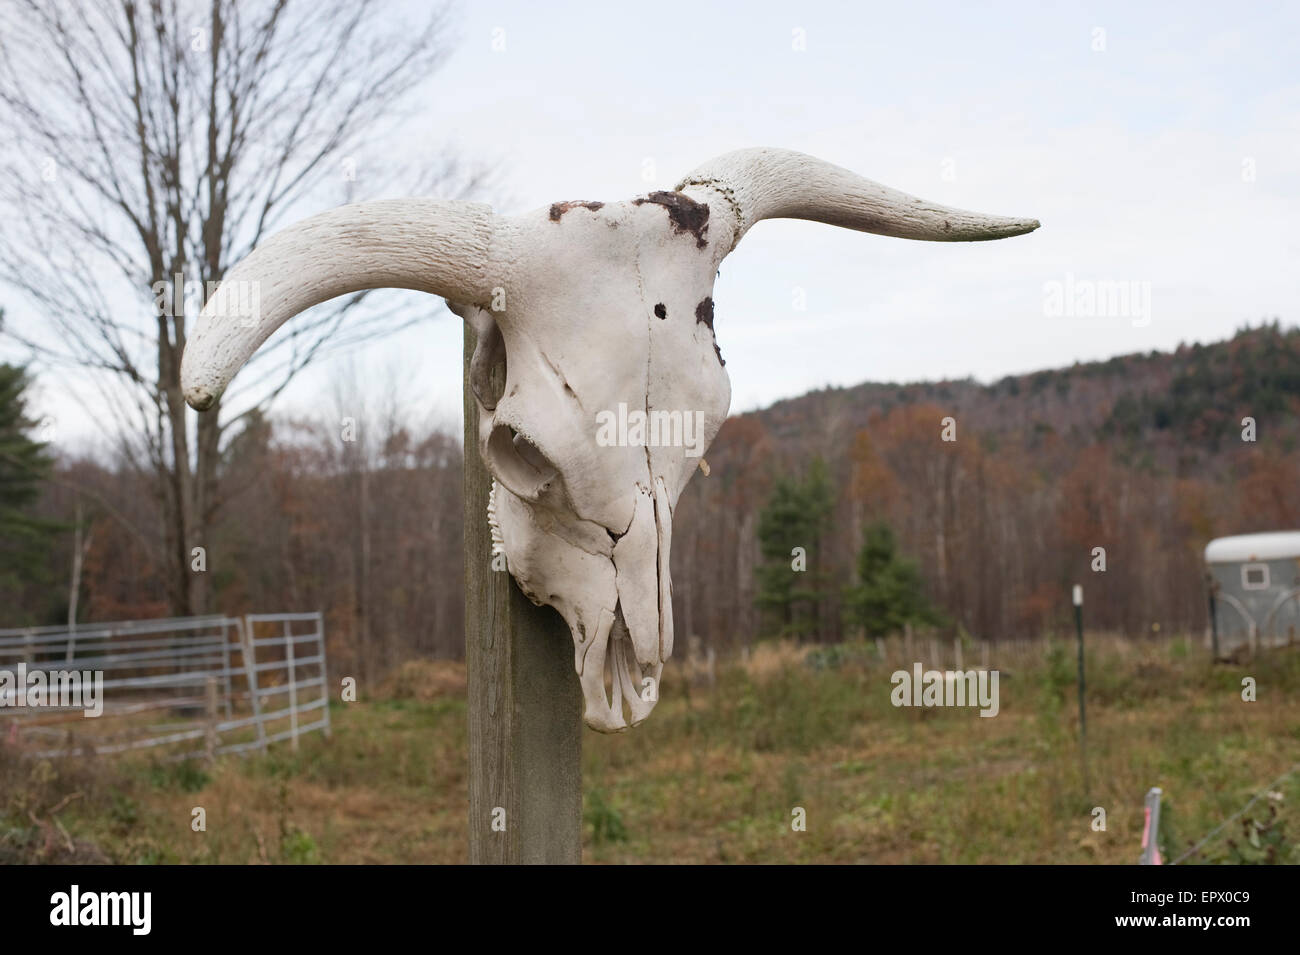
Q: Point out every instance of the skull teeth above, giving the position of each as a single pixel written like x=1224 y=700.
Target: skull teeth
x=632 y=685
x=494 y=529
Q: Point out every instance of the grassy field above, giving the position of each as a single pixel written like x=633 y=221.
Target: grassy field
x=715 y=772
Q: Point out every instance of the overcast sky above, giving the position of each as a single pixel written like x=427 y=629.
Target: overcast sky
x=1159 y=144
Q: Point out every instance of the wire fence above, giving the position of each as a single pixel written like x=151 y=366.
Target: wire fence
x=1151 y=855
x=191 y=686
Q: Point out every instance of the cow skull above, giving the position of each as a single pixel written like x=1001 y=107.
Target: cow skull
x=602 y=316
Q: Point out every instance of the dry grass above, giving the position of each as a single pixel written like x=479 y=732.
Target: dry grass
x=425 y=681
x=714 y=774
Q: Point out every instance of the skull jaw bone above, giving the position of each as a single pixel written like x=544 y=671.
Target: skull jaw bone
x=572 y=565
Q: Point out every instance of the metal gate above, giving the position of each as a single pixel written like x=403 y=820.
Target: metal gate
x=194 y=686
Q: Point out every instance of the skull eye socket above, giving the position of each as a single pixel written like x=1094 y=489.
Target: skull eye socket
x=487 y=367
x=518 y=463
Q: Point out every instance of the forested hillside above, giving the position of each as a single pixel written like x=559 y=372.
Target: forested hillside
x=1142 y=455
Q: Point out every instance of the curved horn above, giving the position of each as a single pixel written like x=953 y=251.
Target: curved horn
x=749 y=185
x=431 y=245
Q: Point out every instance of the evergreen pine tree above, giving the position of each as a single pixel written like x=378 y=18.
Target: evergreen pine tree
x=25 y=539
x=793 y=578
x=890 y=592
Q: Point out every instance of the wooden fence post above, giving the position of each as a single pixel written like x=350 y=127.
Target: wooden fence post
x=525 y=702
x=324 y=673
x=248 y=654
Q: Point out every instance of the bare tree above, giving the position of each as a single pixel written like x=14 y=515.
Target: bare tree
x=155 y=143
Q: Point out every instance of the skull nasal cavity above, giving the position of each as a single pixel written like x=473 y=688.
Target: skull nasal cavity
x=517 y=463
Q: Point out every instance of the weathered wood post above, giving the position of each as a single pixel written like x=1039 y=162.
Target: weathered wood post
x=525 y=712
x=248 y=654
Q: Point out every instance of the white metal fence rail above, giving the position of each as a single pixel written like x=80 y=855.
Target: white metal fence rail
x=227 y=684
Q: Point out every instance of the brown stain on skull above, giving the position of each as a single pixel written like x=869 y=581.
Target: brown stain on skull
x=684 y=214
x=704 y=314
x=558 y=209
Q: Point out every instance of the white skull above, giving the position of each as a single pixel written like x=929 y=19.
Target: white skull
x=602 y=314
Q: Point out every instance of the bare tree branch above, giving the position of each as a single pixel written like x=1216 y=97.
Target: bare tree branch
x=155 y=142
